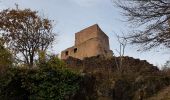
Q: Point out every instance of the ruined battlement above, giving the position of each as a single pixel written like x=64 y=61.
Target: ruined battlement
x=89 y=42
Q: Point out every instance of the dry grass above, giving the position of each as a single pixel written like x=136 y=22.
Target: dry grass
x=164 y=94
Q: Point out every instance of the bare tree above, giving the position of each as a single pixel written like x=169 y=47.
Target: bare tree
x=153 y=17
x=25 y=32
x=122 y=45
x=121 y=51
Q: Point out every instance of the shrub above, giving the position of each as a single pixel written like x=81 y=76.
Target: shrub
x=49 y=81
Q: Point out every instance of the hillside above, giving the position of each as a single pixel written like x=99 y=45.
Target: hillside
x=117 y=78
x=164 y=94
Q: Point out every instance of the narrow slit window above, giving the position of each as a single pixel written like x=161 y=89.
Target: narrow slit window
x=66 y=53
x=75 y=50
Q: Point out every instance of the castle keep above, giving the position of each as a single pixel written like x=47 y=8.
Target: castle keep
x=89 y=42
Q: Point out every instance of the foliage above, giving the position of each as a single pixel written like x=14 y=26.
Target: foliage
x=122 y=90
x=87 y=90
x=139 y=88
x=5 y=58
x=25 y=32
x=153 y=16
x=138 y=79
x=11 y=86
x=50 y=81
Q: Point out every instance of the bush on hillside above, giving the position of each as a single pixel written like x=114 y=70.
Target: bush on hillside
x=140 y=88
x=50 y=81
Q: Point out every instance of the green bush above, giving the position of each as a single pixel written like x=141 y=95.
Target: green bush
x=49 y=81
x=5 y=59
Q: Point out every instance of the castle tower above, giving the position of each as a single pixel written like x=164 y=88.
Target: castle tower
x=89 y=42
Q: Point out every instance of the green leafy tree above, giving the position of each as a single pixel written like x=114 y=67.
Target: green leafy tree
x=25 y=32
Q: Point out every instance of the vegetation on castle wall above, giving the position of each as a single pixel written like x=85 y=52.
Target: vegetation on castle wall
x=51 y=80
x=142 y=87
x=47 y=78
x=137 y=79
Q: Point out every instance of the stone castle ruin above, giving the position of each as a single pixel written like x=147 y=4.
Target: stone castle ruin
x=89 y=42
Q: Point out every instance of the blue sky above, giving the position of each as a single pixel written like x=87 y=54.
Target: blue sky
x=71 y=16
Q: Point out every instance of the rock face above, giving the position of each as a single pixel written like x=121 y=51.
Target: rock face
x=89 y=42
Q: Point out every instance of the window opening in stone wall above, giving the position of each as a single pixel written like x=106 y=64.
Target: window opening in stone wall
x=75 y=50
x=66 y=53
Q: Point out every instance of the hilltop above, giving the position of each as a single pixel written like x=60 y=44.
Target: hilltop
x=135 y=80
x=164 y=94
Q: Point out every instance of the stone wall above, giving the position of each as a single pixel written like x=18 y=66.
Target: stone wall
x=107 y=83
x=86 y=34
x=89 y=42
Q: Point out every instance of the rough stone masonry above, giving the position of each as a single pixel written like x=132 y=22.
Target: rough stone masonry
x=89 y=42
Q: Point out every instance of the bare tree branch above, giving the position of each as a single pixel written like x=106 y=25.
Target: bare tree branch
x=153 y=16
